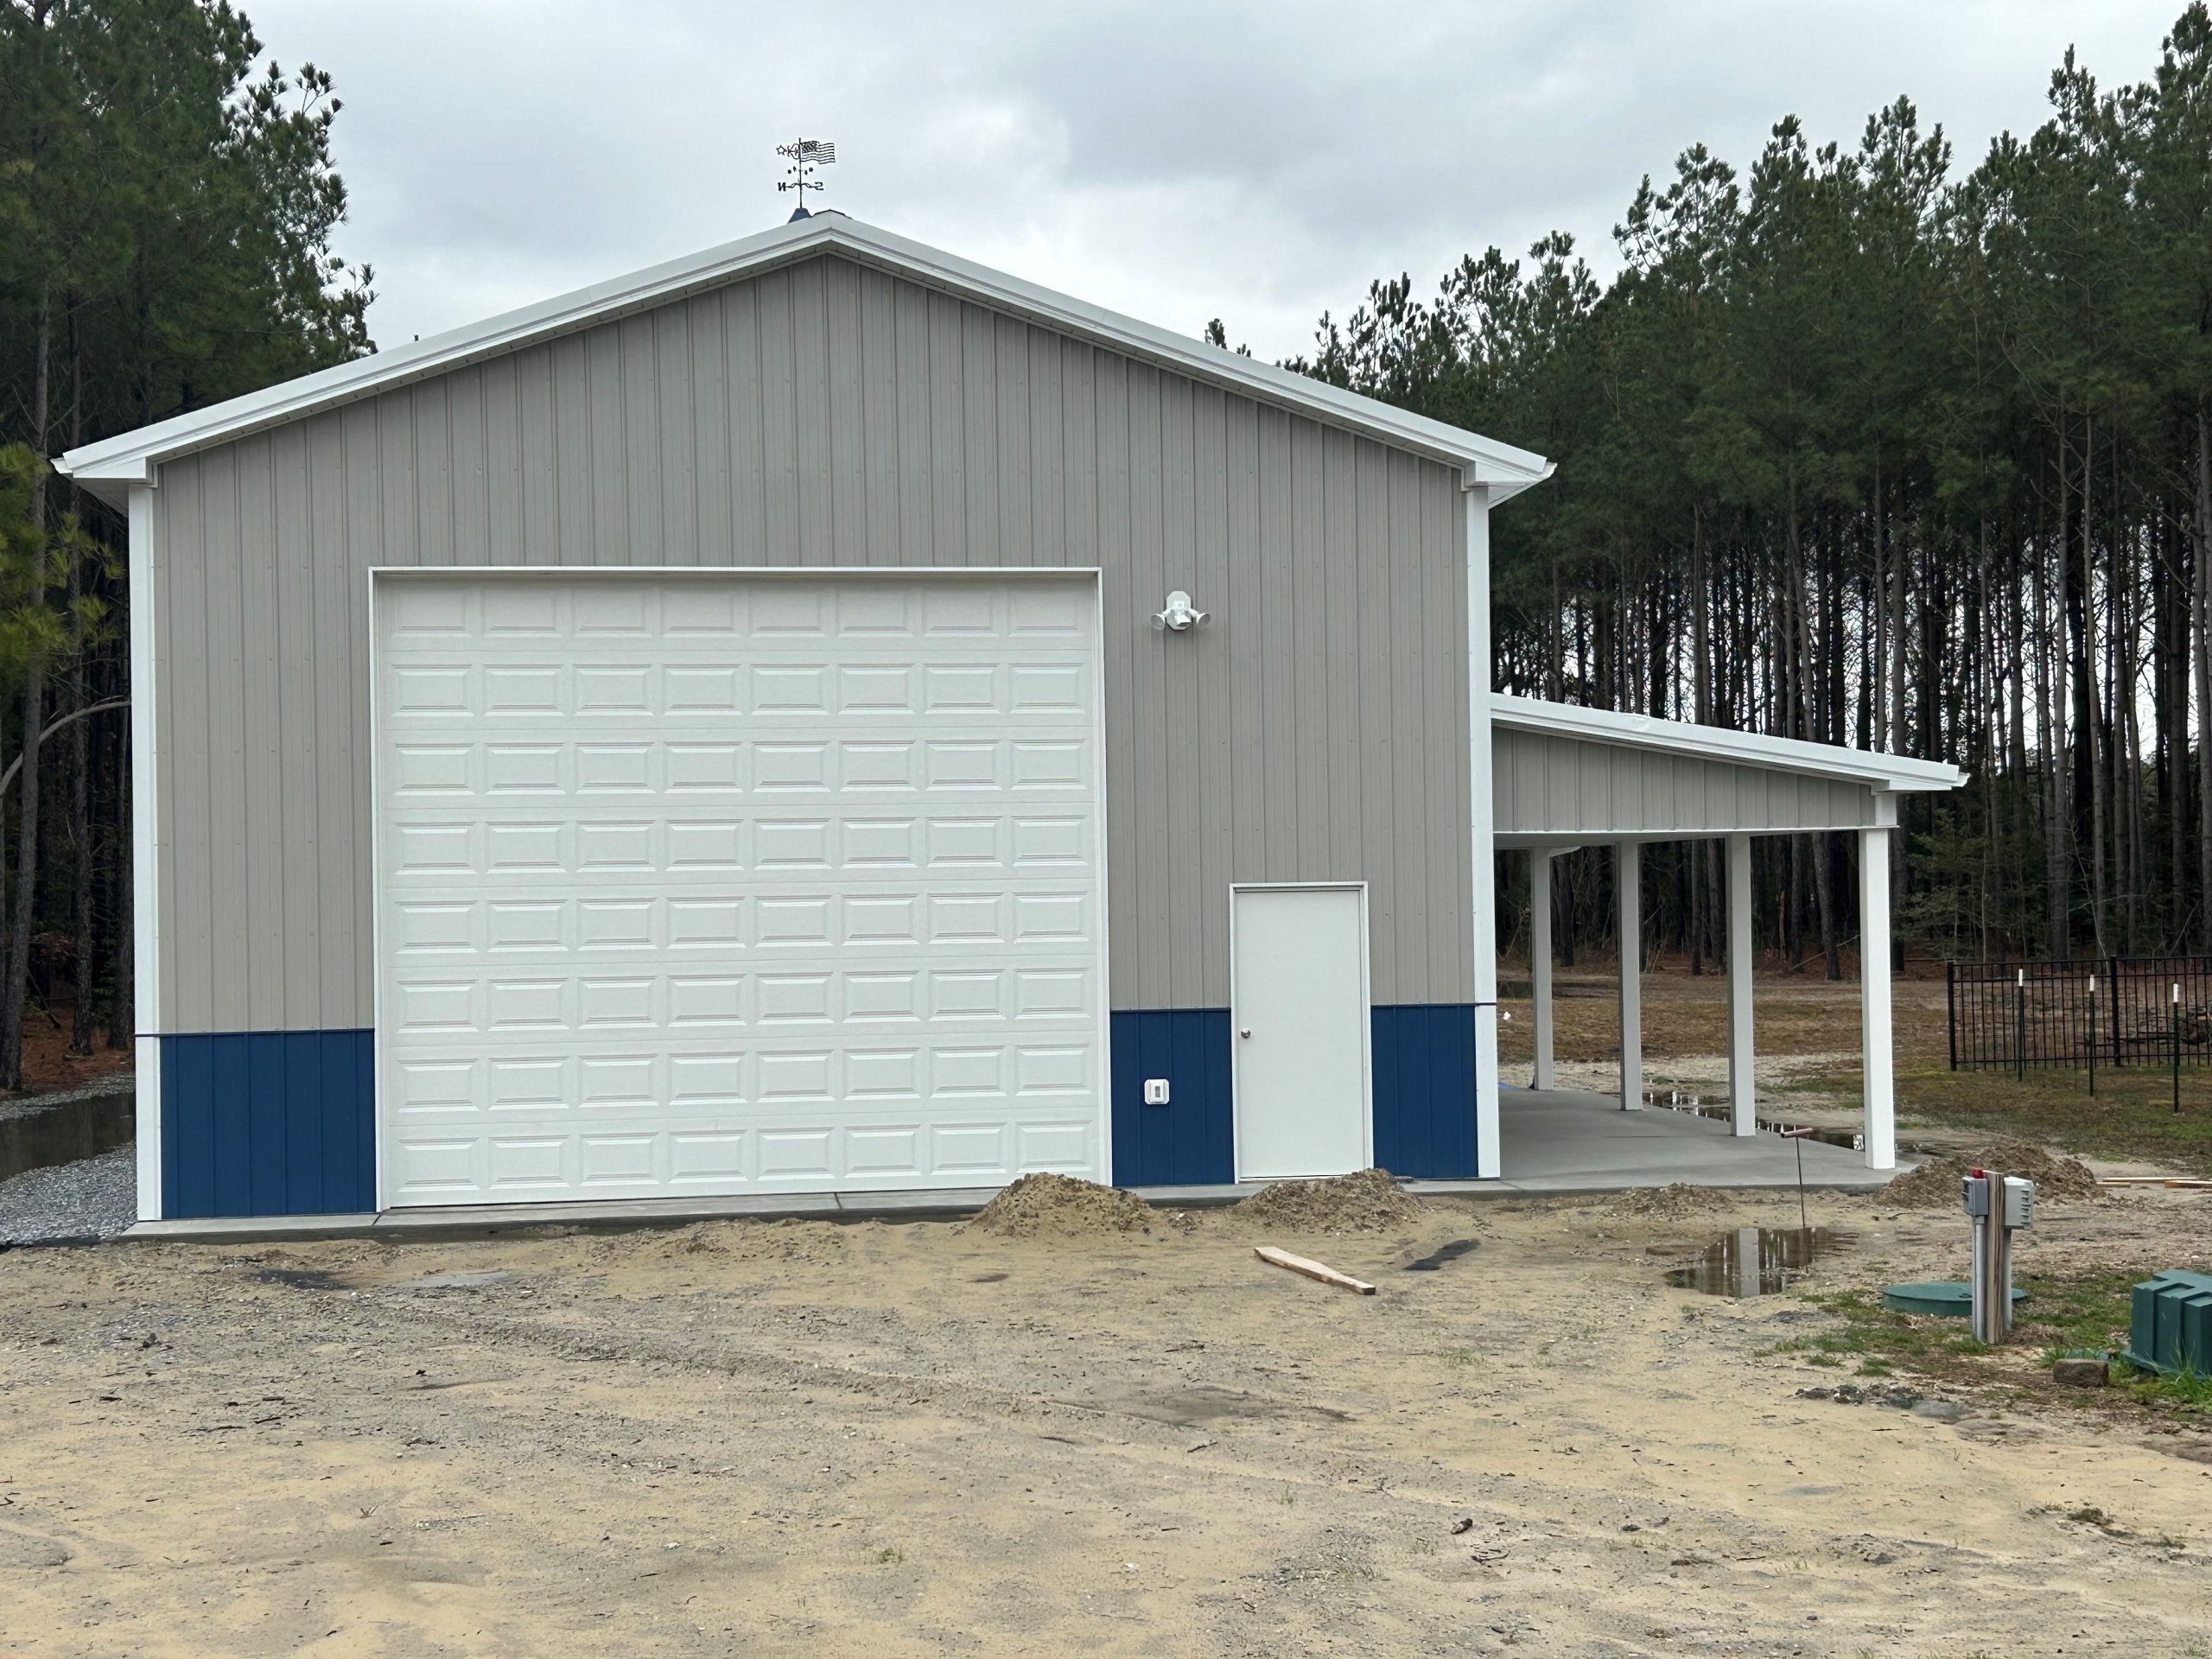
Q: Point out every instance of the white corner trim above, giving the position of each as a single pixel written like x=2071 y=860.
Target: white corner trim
x=145 y=853
x=1482 y=833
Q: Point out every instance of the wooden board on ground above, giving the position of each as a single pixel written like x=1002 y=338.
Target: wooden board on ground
x=1312 y=1270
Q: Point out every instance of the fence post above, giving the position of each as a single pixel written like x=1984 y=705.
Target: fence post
x=1951 y=1007
x=2177 y=1025
x=2020 y=1032
x=2093 y=1036
x=2118 y=1054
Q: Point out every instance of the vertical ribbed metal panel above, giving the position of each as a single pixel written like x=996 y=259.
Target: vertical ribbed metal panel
x=1552 y=785
x=827 y=414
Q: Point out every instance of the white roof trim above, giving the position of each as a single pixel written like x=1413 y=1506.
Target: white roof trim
x=109 y=467
x=1882 y=773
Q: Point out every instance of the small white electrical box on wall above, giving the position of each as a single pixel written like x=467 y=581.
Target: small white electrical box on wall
x=1156 y=1091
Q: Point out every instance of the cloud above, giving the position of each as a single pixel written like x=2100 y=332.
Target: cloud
x=1175 y=161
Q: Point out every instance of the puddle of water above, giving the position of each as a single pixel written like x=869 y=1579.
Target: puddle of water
x=66 y=1133
x=1680 y=1100
x=1436 y=1258
x=1757 y=1261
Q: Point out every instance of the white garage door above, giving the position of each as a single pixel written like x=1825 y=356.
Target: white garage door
x=716 y=883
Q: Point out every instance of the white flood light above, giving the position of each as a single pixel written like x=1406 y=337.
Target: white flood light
x=1180 y=614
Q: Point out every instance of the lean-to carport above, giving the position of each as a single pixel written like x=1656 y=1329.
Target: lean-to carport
x=1566 y=777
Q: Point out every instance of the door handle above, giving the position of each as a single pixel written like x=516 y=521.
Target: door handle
x=1245 y=1032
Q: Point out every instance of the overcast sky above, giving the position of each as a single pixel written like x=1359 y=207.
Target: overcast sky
x=1261 y=162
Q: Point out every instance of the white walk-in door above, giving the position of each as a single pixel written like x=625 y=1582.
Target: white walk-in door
x=1301 y=1021
x=697 y=883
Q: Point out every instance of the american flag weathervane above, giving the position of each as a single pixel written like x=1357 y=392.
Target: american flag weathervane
x=805 y=155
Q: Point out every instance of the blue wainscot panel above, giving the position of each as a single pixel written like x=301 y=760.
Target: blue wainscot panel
x=268 y=1123
x=1189 y=1141
x=1424 y=1062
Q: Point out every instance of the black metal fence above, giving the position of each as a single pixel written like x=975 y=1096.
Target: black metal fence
x=2124 y=1011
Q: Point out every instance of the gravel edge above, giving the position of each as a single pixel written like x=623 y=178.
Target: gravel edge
x=93 y=1199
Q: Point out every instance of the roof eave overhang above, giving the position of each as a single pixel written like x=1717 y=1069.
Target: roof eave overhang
x=1503 y=484
x=111 y=469
x=1894 y=774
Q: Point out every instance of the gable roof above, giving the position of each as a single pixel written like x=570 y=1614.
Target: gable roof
x=1889 y=774
x=110 y=468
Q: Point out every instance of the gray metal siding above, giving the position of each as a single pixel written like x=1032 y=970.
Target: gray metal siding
x=1549 y=784
x=828 y=415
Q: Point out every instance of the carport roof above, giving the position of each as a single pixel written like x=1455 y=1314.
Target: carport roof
x=1884 y=773
x=110 y=468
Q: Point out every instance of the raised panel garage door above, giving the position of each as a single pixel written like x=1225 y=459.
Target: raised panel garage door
x=712 y=883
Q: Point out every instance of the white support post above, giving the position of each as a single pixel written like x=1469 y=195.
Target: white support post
x=1539 y=962
x=1489 y=1157
x=1877 y=1045
x=1743 y=1081
x=1627 y=888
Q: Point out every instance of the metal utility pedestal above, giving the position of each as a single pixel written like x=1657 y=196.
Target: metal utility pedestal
x=1995 y=1223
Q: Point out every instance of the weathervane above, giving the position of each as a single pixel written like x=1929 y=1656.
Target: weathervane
x=804 y=157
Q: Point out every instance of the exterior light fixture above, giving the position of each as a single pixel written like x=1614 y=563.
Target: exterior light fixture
x=1180 y=616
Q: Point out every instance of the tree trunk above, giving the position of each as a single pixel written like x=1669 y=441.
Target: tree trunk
x=2089 y=710
x=2050 y=696
x=80 y=778
x=19 y=925
x=2201 y=653
x=14 y=960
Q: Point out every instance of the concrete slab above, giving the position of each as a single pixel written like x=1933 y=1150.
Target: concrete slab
x=475 y=1220
x=1557 y=1141
x=250 y=1229
x=1197 y=1198
x=915 y=1206
x=1564 y=1140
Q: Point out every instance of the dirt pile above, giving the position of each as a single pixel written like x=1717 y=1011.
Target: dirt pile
x=1369 y=1202
x=1048 y=1205
x=1677 y=1198
x=1935 y=1184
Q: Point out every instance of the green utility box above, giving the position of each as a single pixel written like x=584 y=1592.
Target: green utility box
x=2171 y=1327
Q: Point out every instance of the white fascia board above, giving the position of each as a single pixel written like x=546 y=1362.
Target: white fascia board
x=109 y=467
x=130 y=457
x=1881 y=773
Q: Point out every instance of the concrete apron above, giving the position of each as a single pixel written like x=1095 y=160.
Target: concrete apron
x=1555 y=1141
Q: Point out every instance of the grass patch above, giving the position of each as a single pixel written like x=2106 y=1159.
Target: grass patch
x=2084 y=1314
x=2131 y=1117
x=2192 y=1390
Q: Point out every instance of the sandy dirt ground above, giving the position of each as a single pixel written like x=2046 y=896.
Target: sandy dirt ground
x=802 y=1438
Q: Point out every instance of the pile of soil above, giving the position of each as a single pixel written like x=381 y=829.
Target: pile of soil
x=1369 y=1202
x=1935 y=1184
x=1061 y=1206
x=1677 y=1198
